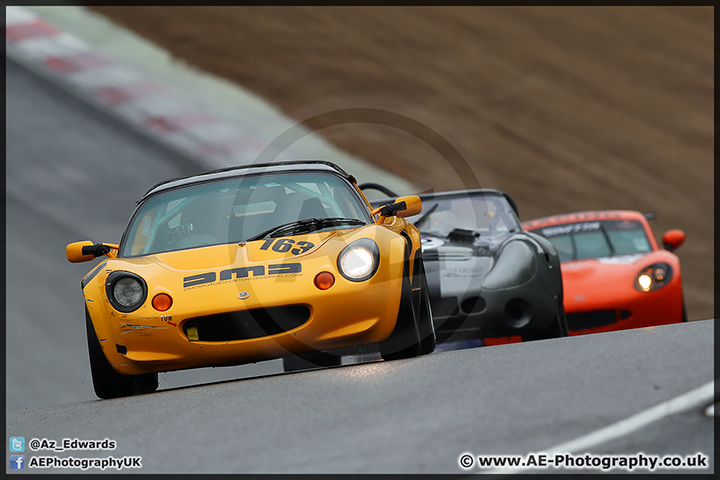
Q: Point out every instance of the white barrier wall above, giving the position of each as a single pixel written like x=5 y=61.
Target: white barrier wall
x=213 y=121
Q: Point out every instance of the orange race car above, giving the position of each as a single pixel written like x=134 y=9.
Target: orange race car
x=252 y=263
x=615 y=276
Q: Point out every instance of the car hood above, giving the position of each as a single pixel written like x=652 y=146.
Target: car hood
x=589 y=283
x=457 y=260
x=456 y=267
x=603 y=270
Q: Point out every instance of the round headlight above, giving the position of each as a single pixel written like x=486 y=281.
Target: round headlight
x=126 y=291
x=644 y=281
x=359 y=260
x=652 y=277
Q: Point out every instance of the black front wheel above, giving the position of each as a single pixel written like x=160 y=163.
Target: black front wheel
x=562 y=321
x=406 y=340
x=426 y=325
x=107 y=382
x=557 y=329
x=146 y=383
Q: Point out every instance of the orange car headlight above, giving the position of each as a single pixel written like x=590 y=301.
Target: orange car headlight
x=359 y=261
x=653 y=277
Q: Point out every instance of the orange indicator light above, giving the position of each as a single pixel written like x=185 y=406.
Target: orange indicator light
x=162 y=302
x=324 y=280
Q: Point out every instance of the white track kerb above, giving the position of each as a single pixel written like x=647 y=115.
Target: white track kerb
x=206 y=118
x=697 y=397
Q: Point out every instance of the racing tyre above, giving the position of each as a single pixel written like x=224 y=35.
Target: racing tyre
x=562 y=321
x=425 y=321
x=107 y=382
x=304 y=361
x=405 y=340
x=146 y=383
x=559 y=328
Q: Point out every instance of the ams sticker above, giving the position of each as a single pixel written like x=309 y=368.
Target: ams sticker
x=241 y=272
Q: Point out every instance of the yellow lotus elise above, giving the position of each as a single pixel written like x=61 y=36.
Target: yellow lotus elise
x=252 y=263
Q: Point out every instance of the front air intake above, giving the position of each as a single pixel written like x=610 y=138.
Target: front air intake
x=594 y=319
x=473 y=305
x=246 y=324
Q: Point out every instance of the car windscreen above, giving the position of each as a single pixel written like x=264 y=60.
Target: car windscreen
x=603 y=238
x=234 y=210
x=485 y=214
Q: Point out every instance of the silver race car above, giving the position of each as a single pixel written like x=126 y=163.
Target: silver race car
x=488 y=278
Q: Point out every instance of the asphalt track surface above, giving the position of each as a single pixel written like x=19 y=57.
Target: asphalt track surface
x=73 y=174
x=409 y=416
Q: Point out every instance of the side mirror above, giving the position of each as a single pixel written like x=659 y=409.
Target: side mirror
x=402 y=207
x=672 y=239
x=413 y=206
x=86 y=251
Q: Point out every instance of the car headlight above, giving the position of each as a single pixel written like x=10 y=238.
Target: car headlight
x=653 y=277
x=126 y=291
x=359 y=261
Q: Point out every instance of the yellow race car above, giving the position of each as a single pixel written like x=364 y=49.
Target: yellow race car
x=251 y=263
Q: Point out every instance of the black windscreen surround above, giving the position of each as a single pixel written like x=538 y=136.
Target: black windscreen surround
x=595 y=239
x=234 y=210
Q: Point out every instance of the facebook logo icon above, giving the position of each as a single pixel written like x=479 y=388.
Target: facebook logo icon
x=17 y=462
